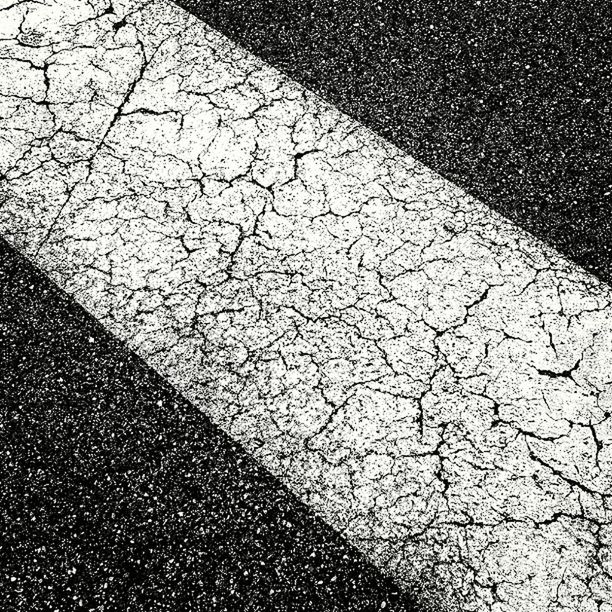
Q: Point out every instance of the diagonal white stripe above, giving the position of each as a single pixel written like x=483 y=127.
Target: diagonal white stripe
x=432 y=380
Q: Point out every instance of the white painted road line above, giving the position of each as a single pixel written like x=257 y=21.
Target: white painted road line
x=434 y=382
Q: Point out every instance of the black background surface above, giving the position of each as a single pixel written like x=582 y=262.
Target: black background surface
x=509 y=99
x=117 y=494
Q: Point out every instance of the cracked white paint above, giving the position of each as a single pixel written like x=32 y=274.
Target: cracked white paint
x=432 y=380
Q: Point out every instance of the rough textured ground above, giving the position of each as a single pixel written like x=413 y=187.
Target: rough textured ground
x=434 y=382
x=509 y=99
x=117 y=494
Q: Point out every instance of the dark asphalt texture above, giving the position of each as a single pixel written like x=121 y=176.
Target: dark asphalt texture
x=512 y=100
x=117 y=494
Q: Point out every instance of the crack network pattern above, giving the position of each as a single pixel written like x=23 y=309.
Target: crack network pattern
x=433 y=381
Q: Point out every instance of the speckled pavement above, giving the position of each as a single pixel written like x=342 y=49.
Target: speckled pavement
x=427 y=377
x=509 y=99
x=117 y=494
